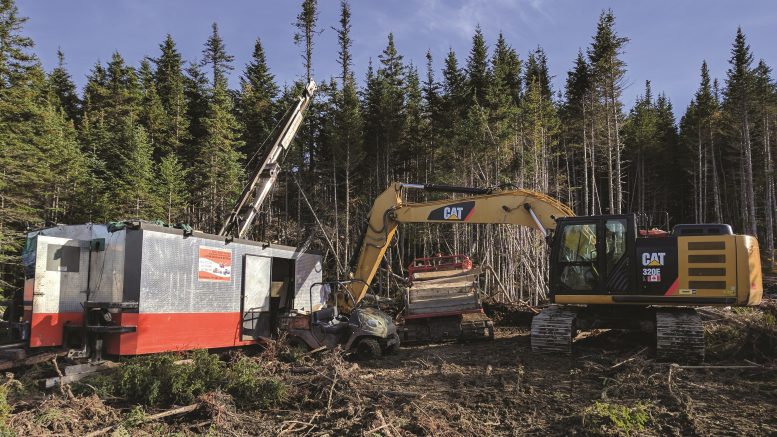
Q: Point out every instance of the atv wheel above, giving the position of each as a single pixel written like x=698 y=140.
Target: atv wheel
x=393 y=349
x=368 y=349
x=298 y=345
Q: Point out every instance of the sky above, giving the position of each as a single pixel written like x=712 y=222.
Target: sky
x=668 y=39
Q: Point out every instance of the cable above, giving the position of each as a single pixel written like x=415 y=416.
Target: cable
x=270 y=135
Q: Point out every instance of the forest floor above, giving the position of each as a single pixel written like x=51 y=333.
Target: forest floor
x=611 y=385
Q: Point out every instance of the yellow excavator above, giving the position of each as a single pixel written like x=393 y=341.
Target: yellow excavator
x=604 y=271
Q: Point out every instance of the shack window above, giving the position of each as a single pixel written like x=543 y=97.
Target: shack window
x=61 y=258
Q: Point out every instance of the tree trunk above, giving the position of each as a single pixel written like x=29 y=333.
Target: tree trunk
x=769 y=182
x=748 y=174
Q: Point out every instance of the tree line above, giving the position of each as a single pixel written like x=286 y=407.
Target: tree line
x=169 y=140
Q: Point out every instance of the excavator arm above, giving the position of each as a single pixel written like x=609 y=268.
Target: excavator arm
x=512 y=206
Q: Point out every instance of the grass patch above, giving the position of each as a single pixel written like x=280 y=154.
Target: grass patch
x=603 y=416
x=5 y=407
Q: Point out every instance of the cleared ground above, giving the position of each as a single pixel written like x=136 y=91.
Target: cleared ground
x=611 y=385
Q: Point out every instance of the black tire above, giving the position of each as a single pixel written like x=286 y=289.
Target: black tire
x=393 y=349
x=368 y=349
x=297 y=344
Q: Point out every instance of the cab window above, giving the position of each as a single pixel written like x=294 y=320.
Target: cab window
x=578 y=257
x=615 y=239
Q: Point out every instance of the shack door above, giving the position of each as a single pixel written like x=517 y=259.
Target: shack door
x=58 y=290
x=256 y=297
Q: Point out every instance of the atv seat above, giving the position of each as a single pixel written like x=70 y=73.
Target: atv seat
x=325 y=316
x=334 y=328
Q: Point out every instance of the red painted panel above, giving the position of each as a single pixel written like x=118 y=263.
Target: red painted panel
x=47 y=329
x=162 y=332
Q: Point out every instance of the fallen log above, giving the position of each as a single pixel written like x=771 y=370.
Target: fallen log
x=718 y=367
x=151 y=418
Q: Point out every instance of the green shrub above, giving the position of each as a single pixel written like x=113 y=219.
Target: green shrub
x=625 y=419
x=249 y=389
x=157 y=380
x=101 y=384
x=135 y=417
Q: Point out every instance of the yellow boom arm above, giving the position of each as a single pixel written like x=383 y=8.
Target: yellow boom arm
x=517 y=207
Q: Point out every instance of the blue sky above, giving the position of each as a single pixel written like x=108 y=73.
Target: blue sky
x=669 y=39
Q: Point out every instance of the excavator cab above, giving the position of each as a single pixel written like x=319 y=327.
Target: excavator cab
x=591 y=255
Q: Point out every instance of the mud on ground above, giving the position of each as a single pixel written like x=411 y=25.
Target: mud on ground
x=609 y=386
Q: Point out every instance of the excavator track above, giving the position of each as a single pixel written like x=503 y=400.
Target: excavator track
x=553 y=329
x=679 y=335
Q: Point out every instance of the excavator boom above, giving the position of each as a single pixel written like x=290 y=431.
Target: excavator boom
x=496 y=206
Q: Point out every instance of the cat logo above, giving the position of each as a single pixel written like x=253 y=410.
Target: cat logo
x=653 y=259
x=451 y=213
x=458 y=212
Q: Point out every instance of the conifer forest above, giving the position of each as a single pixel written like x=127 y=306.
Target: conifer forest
x=173 y=140
x=168 y=140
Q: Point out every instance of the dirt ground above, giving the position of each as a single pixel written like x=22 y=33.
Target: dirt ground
x=610 y=385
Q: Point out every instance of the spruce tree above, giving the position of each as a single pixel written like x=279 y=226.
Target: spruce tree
x=574 y=122
x=153 y=116
x=738 y=99
x=765 y=90
x=258 y=92
x=453 y=101
x=477 y=69
x=608 y=70
x=66 y=165
x=537 y=71
x=344 y=42
x=640 y=132
x=505 y=74
x=22 y=159
x=172 y=189
x=63 y=87
x=391 y=82
x=170 y=86
x=217 y=170
x=348 y=127
x=16 y=61
x=306 y=29
x=96 y=91
x=134 y=190
x=502 y=102
x=196 y=93
x=541 y=124
x=216 y=57
x=414 y=124
x=121 y=106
